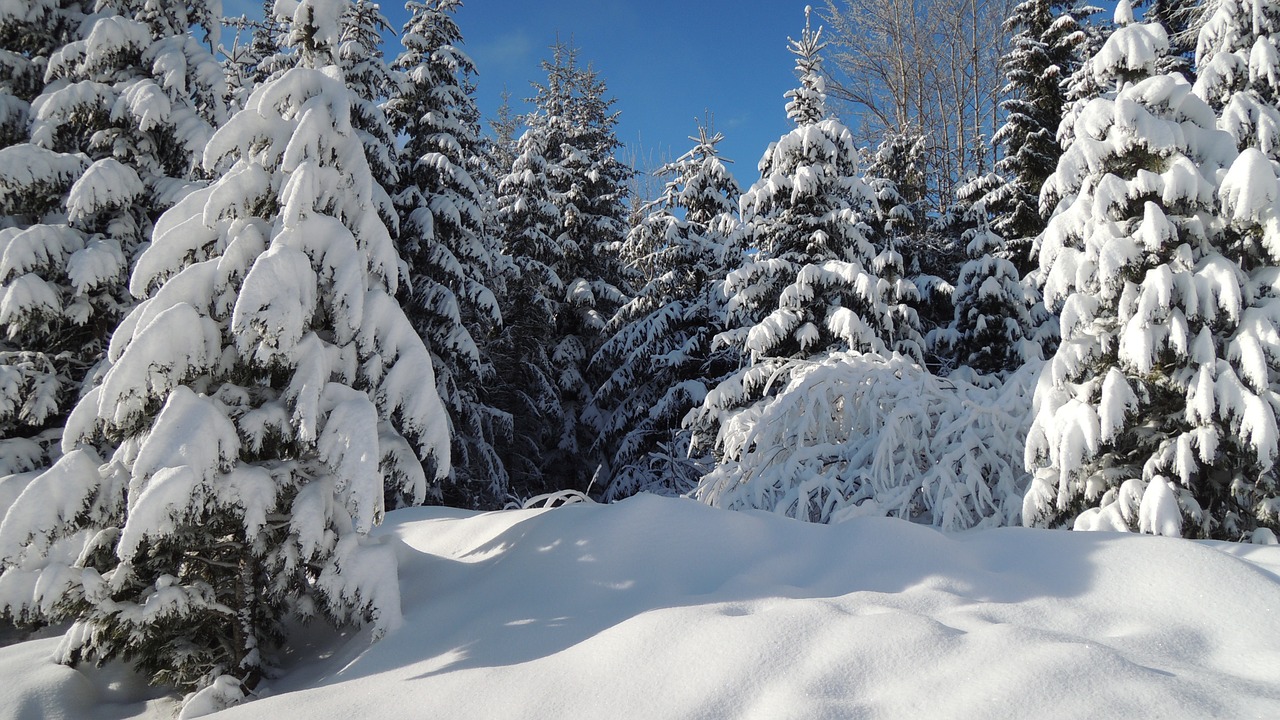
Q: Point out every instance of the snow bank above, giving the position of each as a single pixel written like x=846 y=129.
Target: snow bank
x=36 y=687
x=662 y=608
x=656 y=608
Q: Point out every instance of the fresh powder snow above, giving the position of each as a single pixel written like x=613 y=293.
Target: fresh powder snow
x=666 y=608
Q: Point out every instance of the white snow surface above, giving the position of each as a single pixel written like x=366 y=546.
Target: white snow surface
x=666 y=608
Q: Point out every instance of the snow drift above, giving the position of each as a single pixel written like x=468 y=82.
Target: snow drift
x=656 y=608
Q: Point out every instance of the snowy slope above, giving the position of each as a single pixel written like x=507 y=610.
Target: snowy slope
x=660 y=608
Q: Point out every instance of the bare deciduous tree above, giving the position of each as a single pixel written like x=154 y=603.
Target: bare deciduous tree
x=926 y=66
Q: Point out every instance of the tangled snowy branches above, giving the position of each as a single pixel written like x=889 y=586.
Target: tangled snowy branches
x=856 y=434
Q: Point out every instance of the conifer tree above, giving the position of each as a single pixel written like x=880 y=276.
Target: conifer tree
x=104 y=118
x=1155 y=413
x=1083 y=84
x=527 y=387
x=505 y=126
x=815 y=282
x=991 y=330
x=365 y=69
x=254 y=405
x=895 y=174
x=32 y=389
x=589 y=189
x=256 y=57
x=662 y=348
x=1239 y=76
x=1045 y=52
x=30 y=33
x=446 y=238
x=1181 y=20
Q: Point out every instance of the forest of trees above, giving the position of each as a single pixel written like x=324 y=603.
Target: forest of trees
x=255 y=294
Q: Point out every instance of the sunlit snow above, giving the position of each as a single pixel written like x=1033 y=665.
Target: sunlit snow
x=663 y=608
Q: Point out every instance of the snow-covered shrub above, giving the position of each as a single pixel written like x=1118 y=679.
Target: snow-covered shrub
x=854 y=434
x=225 y=471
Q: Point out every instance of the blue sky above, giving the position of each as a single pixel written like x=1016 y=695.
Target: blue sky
x=666 y=62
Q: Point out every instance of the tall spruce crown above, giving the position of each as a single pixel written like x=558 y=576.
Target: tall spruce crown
x=809 y=101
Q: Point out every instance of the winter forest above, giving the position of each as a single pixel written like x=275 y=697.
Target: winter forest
x=264 y=280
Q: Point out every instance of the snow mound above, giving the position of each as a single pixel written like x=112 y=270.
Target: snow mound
x=656 y=607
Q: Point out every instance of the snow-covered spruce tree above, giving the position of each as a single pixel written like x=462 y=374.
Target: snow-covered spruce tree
x=895 y=174
x=1155 y=413
x=1243 y=480
x=1237 y=63
x=365 y=69
x=506 y=126
x=255 y=403
x=1239 y=76
x=118 y=115
x=991 y=330
x=1082 y=85
x=1044 y=52
x=527 y=387
x=30 y=32
x=31 y=387
x=589 y=190
x=257 y=53
x=814 y=282
x=661 y=349
x=1181 y=20
x=446 y=241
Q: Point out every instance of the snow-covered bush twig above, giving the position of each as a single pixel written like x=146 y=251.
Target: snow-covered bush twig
x=854 y=434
